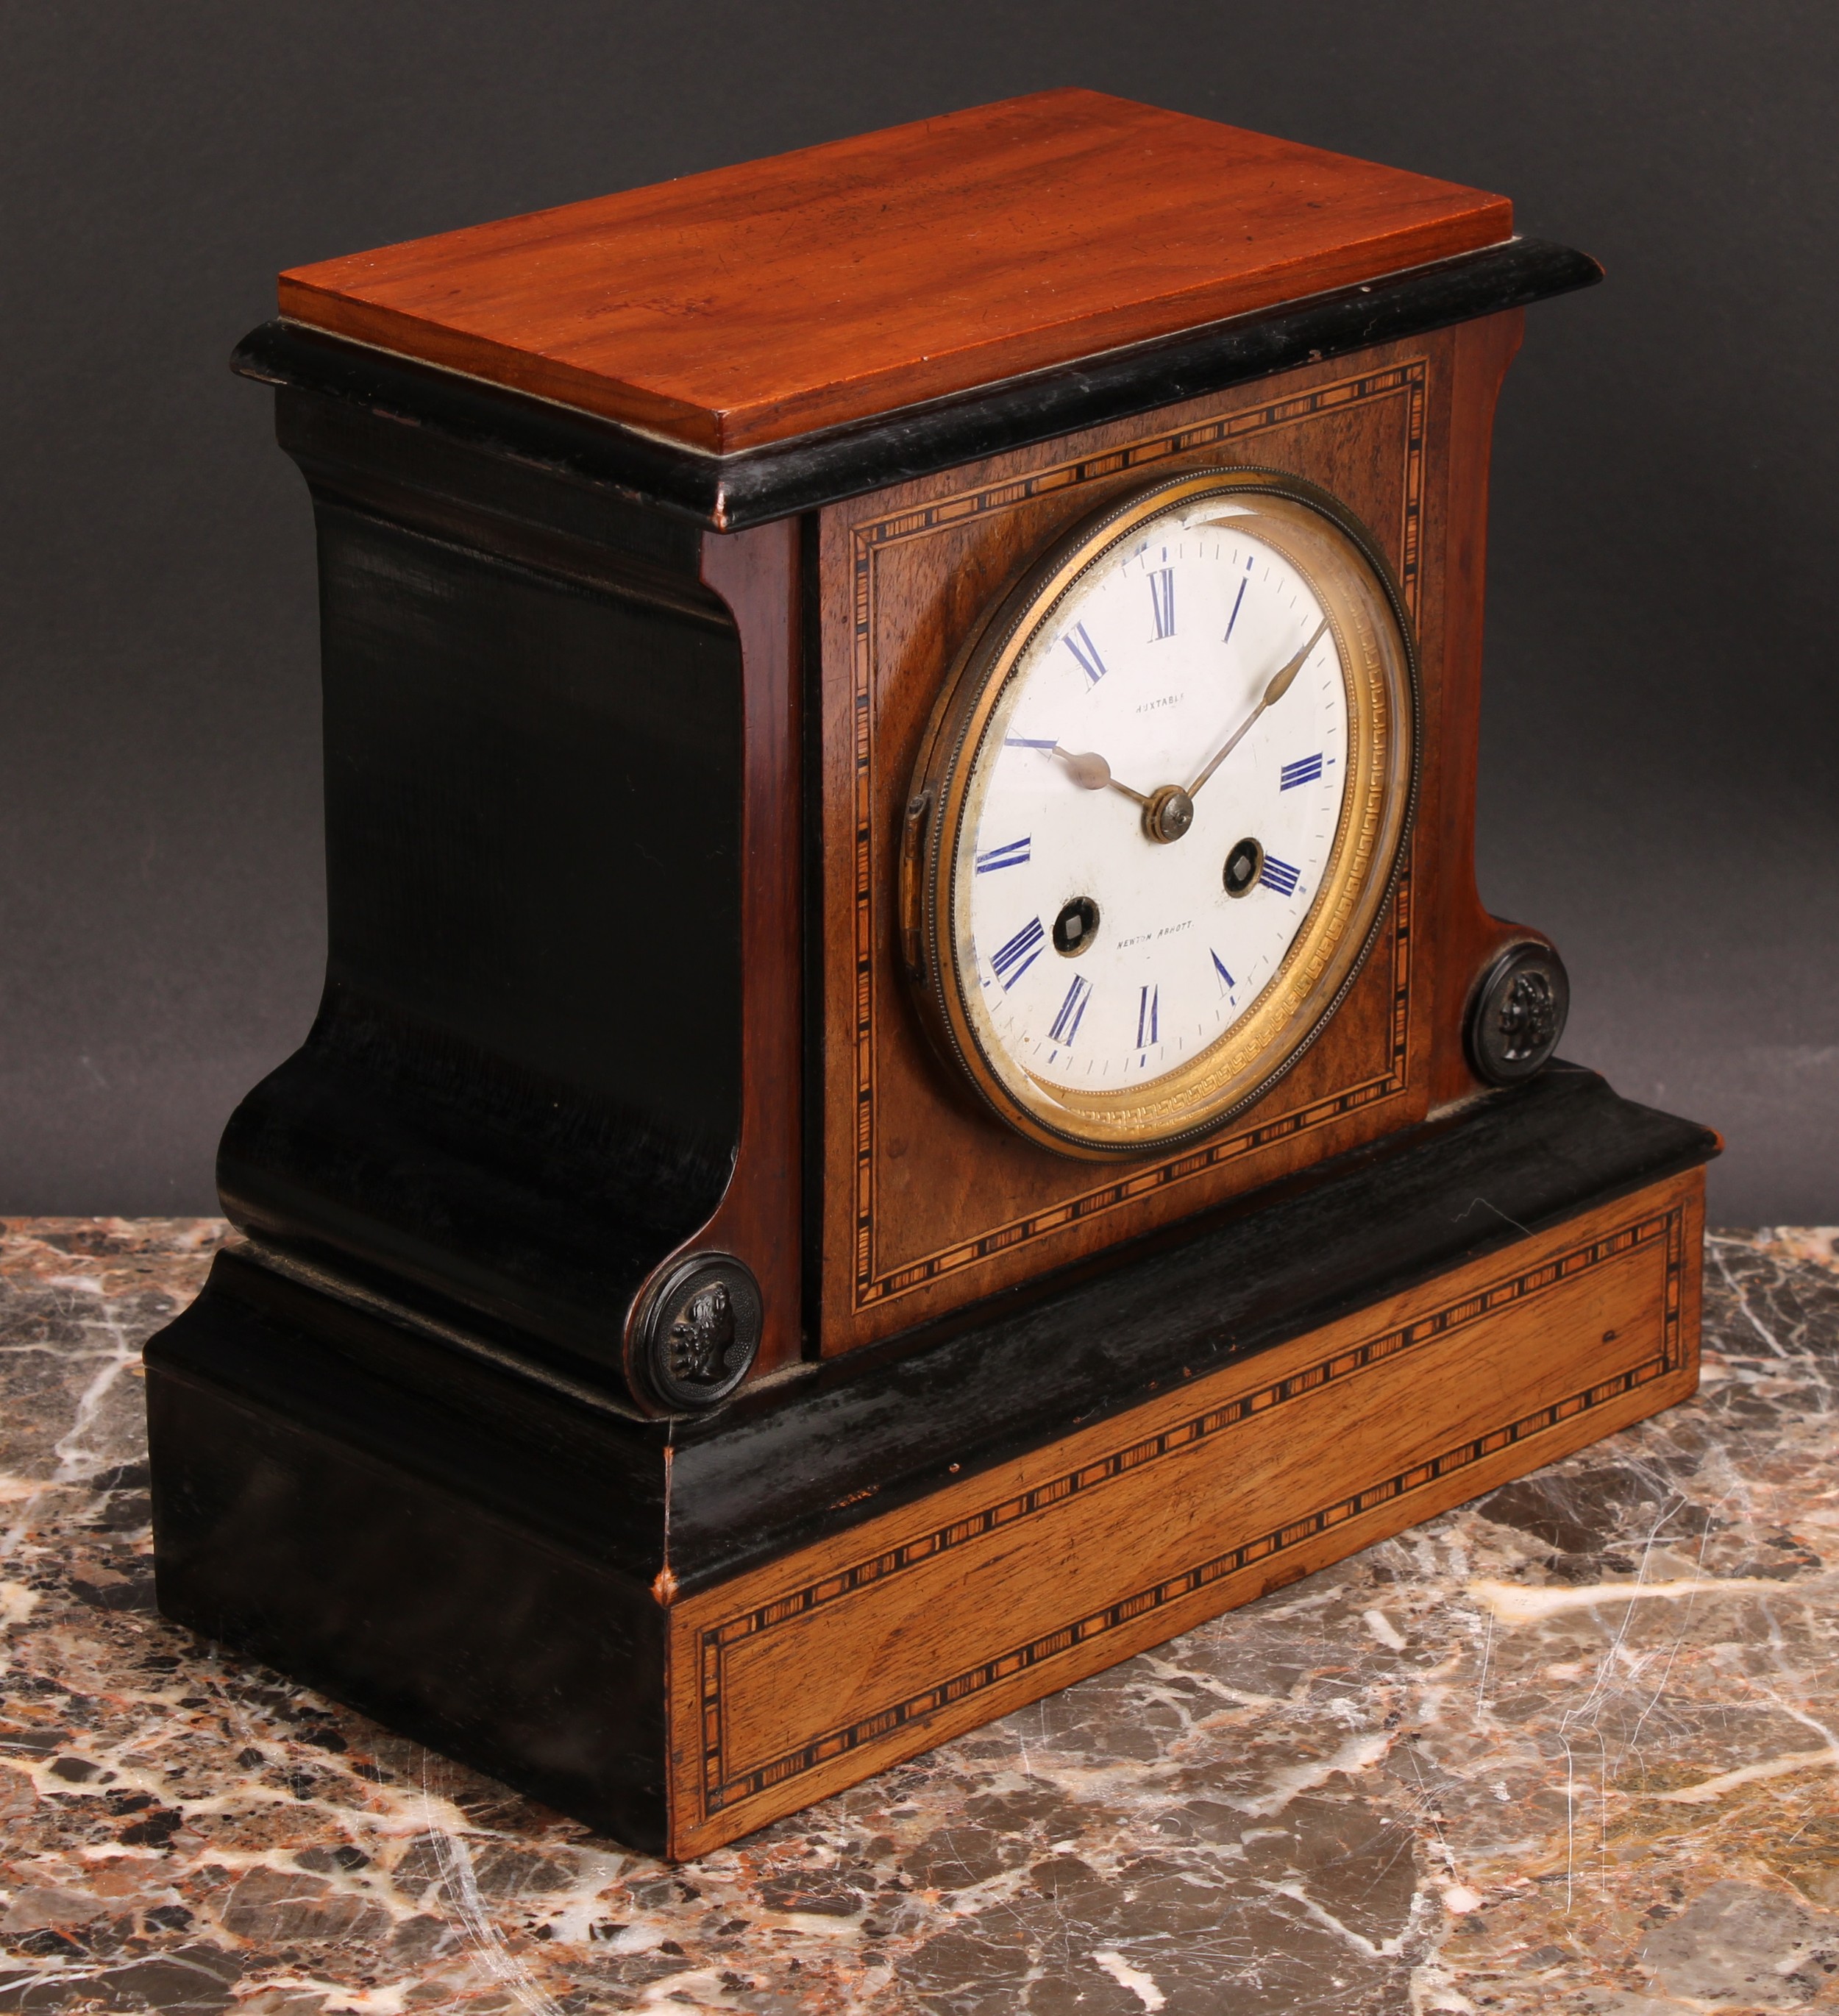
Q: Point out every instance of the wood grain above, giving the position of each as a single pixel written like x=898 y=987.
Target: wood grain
x=758 y=302
x=927 y=1203
x=1469 y=938
x=810 y=1674
x=755 y=574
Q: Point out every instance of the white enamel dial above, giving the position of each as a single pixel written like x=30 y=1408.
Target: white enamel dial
x=1106 y=956
x=1162 y=802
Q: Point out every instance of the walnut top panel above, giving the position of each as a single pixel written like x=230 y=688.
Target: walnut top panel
x=756 y=303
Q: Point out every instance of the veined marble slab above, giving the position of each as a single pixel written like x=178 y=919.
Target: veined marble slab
x=1573 y=1747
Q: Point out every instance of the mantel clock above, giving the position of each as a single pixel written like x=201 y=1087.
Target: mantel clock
x=913 y=1092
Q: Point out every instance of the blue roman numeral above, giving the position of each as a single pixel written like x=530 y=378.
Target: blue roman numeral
x=1011 y=961
x=1279 y=875
x=1086 y=652
x=1065 y=1024
x=1162 y=602
x=1304 y=770
x=1146 y=1016
x=1012 y=854
x=1028 y=742
x=1227 y=982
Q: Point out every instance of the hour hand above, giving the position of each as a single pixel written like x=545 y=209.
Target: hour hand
x=1093 y=773
x=1089 y=772
x=1277 y=684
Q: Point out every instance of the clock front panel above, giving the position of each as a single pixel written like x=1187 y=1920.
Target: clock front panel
x=925 y=1199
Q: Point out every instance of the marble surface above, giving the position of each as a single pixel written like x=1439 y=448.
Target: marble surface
x=1573 y=1747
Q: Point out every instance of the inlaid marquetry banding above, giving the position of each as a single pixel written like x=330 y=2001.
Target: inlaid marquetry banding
x=873 y=1283
x=1663 y=1229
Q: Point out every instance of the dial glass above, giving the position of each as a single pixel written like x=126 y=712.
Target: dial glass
x=1180 y=766
x=1146 y=953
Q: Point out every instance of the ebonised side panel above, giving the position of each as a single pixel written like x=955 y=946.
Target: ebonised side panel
x=524 y=1086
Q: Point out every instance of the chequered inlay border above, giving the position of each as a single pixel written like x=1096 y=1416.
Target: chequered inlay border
x=720 y=1790
x=1407 y=381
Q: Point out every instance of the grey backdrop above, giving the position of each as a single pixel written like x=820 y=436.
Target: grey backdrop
x=1658 y=779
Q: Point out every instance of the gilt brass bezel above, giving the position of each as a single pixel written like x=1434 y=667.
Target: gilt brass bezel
x=1372 y=637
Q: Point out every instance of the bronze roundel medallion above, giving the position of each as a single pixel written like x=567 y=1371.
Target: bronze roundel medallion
x=699 y=1330
x=1516 y=1018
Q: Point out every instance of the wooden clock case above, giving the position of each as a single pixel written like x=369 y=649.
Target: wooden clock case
x=625 y=671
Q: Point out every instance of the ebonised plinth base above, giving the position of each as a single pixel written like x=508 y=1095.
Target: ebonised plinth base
x=678 y=1631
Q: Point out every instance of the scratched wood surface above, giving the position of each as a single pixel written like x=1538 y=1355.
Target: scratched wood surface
x=759 y=1218
x=753 y=303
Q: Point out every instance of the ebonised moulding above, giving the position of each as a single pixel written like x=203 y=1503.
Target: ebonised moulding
x=729 y=492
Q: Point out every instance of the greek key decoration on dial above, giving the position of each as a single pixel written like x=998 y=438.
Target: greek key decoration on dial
x=1158 y=811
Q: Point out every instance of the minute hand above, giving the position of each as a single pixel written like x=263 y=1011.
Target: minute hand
x=1280 y=685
